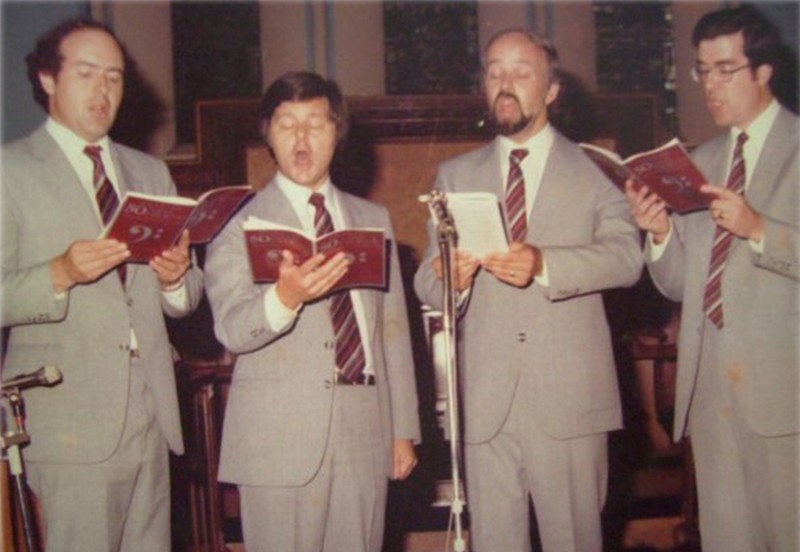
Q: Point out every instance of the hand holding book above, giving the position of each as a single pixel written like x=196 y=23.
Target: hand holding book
x=150 y=224
x=478 y=221
x=667 y=171
x=365 y=249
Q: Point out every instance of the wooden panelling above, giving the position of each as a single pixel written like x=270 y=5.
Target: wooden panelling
x=396 y=143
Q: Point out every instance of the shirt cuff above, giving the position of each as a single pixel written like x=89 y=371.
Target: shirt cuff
x=543 y=279
x=657 y=249
x=177 y=297
x=757 y=246
x=279 y=316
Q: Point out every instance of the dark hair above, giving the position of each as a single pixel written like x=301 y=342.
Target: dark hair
x=298 y=86
x=762 y=40
x=47 y=57
x=547 y=47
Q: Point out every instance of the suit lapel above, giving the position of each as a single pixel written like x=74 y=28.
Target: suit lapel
x=553 y=196
x=72 y=195
x=271 y=204
x=777 y=150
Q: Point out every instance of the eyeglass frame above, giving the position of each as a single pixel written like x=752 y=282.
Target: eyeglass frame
x=724 y=75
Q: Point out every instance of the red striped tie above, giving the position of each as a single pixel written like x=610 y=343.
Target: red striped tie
x=350 y=358
x=104 y=193
x=712 y=300
x=515 y=197
x=106 y=196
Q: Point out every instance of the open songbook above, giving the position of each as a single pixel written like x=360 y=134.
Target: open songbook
x=150 y=224
x=479 y=222
x=366 y=248
x=667 y=171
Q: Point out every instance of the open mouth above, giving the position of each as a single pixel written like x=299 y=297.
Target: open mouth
x=302 y=158
x=99 y=111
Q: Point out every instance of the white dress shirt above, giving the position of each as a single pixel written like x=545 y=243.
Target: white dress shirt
x=73 y=145
x=279 y=316
x=532 y=166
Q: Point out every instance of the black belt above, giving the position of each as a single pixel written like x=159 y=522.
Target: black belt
x=362 y=379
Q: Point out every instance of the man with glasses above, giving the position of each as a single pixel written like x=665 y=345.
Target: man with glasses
x=734 y=267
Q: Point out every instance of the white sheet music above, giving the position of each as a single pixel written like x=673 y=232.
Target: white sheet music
x=479 y=222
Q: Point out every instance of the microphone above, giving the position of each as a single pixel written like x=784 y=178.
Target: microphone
x=46 y=375
x=437 y=204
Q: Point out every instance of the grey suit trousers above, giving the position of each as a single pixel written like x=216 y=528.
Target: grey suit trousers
x=121 y=504
x=342 y=508
x=566 y=477
x=748 y=485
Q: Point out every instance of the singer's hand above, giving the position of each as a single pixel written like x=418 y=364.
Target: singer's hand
x=173 y=263
x=649 y=211
x=405 y=458
x=518 y=267
x=466 y=267
x=311 y=280
x=732 y=212
x=85 y=261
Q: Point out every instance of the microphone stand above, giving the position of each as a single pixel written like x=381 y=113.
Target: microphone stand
x=447 y=237
x=12 y=442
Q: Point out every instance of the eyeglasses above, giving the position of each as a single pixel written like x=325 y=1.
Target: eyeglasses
x=718 y=73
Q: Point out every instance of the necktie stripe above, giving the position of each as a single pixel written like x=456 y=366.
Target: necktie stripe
x=515 y=197
x=712 y=298
x=104 y=193
x=350 y=359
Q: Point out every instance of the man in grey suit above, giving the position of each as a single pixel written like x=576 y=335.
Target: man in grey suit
x=735 y=268
x=318 y=418
x=538 y=374
x=98 y=461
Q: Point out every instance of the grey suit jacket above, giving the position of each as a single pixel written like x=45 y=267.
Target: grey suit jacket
x=87 y=333
x=278 y=413
x=557 y=334
x=759 y=291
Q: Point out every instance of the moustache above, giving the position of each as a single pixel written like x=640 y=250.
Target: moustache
x=505 y=95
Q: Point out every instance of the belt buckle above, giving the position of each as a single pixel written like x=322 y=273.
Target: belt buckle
x=364 y=379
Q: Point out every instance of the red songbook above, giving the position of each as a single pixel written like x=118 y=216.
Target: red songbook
x=667 y=171
x=150 y=224
x=366 y=248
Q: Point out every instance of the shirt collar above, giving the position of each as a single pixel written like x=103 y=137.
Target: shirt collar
x=757 y=130
x=70 y=142
x=537 y=145
x=299 y=195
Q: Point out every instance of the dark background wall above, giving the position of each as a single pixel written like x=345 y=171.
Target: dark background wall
x=22 y=24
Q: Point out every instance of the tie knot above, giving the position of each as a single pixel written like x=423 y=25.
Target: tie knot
x=518 y=155
x=93 y=152
x=740 y=140
x=317 y=200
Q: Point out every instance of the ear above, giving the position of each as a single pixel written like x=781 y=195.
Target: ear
x=265 y=131
x=764 y=74
x=552 y=93
x=48 y=83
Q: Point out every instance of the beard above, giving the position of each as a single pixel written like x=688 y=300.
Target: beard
x=511 y=127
